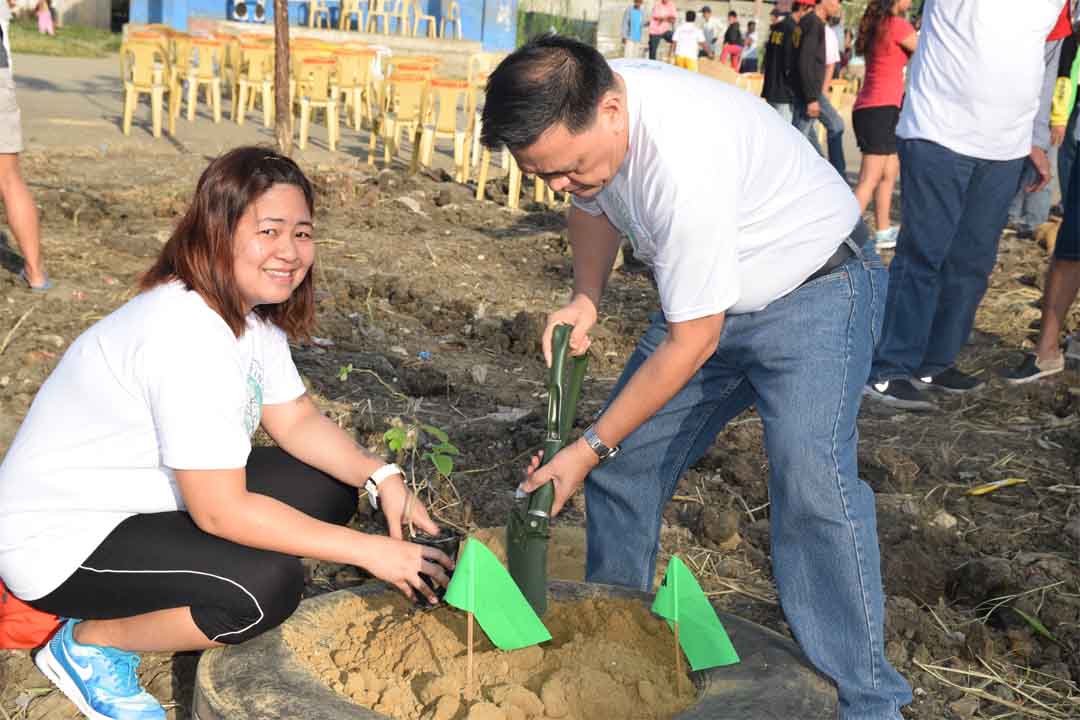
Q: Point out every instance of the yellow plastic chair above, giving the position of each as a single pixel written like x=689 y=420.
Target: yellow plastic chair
x=453 y=19
x=406 y=106
x=422 y=17
x=349 y=8
x=317 y=10
x=180 y=55
x=478 y=68
x=149 y=70
x=254 y=80
x=206 y=72
x=315 y=89
x=445 y=97
x=380 y=10
x=353 y=82
x=750 y=82
x=401 y=17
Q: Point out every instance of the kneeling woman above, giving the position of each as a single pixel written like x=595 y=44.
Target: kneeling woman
x=131 y=496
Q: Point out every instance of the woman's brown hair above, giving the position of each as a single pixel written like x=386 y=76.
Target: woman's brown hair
x=200 y=251
x=877 y=12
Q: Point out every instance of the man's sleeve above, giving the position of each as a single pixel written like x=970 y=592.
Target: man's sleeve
x=1064 y=86
x=626 y=24
x=1041 y=131
x=588 y=206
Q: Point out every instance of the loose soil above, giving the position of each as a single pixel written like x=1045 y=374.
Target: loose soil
x=437 y=301
x=607 y=658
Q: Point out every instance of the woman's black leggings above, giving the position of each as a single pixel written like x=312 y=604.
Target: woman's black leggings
x=163 y=560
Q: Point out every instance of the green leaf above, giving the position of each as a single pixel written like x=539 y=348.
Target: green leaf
x=343 y=372
x=1036 y=625
x=443 y=463
x=438 y=434
x=395 y=438
x=445 y=448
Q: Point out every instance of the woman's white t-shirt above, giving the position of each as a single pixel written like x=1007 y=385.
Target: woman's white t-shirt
x=732 y=213
x=158 y=385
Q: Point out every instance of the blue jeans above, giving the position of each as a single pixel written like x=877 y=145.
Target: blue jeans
x=802 y=361
x=786 y=110
x=834 y=132
x=954 y=209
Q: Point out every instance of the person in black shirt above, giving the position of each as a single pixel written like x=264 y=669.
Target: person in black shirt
x=733 y=41
x=810 y=85
x=779 y=64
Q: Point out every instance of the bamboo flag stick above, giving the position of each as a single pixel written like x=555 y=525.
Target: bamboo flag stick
x=678 y=660
x=469 y=671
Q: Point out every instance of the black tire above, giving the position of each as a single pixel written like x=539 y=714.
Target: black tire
x=262 y=680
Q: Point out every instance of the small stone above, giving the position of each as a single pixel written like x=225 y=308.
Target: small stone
x=554 y=696
x=443 y=198
x=479 y=375
x=411 y=203
x=446 y=707
x=944 y=520
x=524 y=699
x=965 y=708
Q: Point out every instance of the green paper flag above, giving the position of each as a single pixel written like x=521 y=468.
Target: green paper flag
x=701 y=634
x=482 y=586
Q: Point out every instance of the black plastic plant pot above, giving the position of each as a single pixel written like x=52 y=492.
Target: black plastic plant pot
x=263 y=680
x=449 y=542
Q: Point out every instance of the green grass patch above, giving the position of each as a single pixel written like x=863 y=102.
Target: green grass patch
x=69 y=41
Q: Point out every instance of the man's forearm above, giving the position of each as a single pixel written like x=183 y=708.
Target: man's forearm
x=658 y=380
x=594 y=243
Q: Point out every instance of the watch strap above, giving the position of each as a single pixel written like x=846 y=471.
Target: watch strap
x=372 y=484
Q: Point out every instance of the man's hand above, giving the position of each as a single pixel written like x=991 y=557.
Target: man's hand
x=567 y=470
x=813 y=109
x=1042 y=166
x=401 y=506
x=1057 y=135
x=581 y=314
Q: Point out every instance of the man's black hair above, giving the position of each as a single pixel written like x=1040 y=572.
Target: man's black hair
x=732 y=13
x=549 y=80
x=691 y=16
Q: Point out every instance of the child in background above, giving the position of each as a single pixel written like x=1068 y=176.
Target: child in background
x=44 y=18
x=689 y=39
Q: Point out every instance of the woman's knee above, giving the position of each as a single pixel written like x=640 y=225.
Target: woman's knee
x=262 y=599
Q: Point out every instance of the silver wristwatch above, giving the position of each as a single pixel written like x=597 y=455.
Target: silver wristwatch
x=602 y=451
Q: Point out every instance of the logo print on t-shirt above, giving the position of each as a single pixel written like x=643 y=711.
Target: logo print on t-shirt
x=253 y=409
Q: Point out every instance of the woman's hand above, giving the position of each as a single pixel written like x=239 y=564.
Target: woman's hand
x=400 y=506
x=400 y=563
x=567 y=470
x=580 y=313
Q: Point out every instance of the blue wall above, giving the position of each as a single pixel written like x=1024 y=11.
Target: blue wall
x=492 y=22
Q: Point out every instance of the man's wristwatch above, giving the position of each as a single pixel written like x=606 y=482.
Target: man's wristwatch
x=602 y=451
x=372 y=484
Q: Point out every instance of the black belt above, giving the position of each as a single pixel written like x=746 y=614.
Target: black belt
x=847 y=250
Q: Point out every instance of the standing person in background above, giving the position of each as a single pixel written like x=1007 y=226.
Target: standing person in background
x=21 y=213
x=44 y=18
x=661 y=20
x=778 y=87
x=886 y=40
x=966 y=131
x=749 y=61
x=689 y=42
x=815 y=51
x=633 y=22
x=1031 y=209
x=710 y=25
x=1063 y=275
x=733 y=41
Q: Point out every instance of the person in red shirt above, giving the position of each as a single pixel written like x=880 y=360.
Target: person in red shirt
x=661 y=21
x=886 y=39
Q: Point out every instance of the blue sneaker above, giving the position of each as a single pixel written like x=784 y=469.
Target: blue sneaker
x=101 y=681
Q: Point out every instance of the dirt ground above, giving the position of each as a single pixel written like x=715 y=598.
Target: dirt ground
x=430 y=308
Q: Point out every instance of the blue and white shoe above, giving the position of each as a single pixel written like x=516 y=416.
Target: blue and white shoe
x=101 y=681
